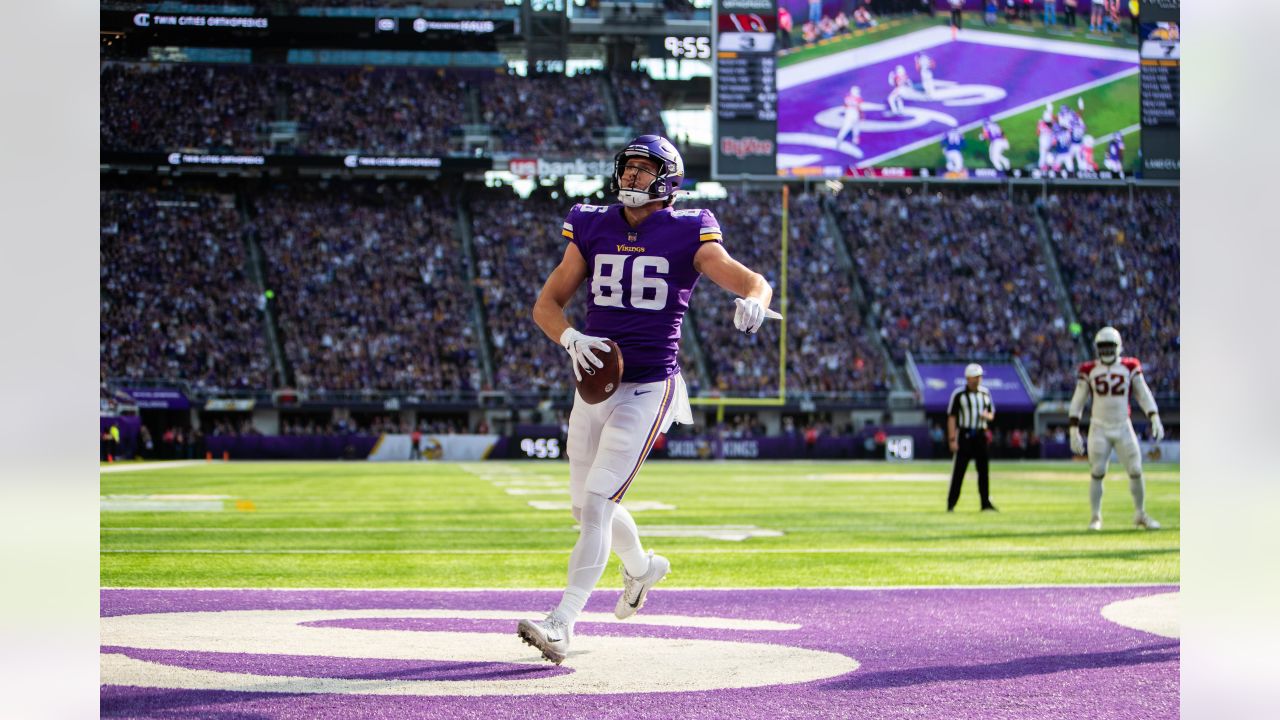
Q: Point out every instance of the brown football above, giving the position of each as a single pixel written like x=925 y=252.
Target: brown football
x=600 y=383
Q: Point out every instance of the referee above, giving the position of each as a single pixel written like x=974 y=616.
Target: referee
x=968 y=413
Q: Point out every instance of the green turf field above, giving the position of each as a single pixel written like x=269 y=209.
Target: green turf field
x=449 y=525
x=1108 y=108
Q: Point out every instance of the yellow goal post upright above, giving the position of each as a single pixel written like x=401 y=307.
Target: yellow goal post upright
x=722 y=401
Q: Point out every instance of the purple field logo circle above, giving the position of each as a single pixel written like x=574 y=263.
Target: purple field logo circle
x=1108 y=652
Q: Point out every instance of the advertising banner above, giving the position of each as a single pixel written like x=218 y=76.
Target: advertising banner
x=398 y=446
x=159 y=398
x=938 y=380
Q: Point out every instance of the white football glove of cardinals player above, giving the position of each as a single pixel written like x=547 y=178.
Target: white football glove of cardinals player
x=1157 y=428
x=748 y=315
x=579 y=347
x=1077 y=442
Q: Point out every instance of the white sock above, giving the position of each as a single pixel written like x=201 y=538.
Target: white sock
x=1095 y=496
x=626 y=543
x=589 y=556
x=1138 y=489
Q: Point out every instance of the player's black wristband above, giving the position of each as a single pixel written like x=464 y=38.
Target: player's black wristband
x=1073 y=422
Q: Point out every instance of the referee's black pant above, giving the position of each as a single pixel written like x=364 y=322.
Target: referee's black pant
x=973 y=446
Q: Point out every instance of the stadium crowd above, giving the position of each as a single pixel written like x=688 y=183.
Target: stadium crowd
x=391 y=111
x=371 y=287
x=1120 y=264
x=175 y=298
x=163 y=106
x=517 y=244
x=543 y=113
x=638 y=102
x=826 y=350
x=959 y=273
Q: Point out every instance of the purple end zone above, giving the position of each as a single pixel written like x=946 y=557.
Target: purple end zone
x=924 y=653
x=1025 y=75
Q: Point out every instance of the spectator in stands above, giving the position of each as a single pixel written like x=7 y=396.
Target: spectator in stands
x=150 y=107
x=371 y=288
x=1121 y=266
x=531 y=115
x=958 y=247
x=176 y=302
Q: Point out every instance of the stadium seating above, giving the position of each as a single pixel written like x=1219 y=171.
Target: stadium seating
x=391 y=111
x=545 y=113
x=959 y=272
x=826 y=352
x=151 y=107
x=1121 y=267
x=371 y=287
x=176 y=302
x=517 y=245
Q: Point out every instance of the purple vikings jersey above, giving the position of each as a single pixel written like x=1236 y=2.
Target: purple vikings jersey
x=1115 y=151
x=641 y=280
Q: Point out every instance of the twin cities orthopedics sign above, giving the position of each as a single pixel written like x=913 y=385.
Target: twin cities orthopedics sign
x=403 y=163
x=305 y=31
x=744 y=88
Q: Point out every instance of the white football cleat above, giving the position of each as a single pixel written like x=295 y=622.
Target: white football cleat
x=550 y=635
x=1145 y=521
x=1096 y=523
x=636 y=589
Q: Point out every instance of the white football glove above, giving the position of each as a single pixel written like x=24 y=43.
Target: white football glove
x=1157 y=428
x=579 y=347
x=748 y=315
x=1077 y=442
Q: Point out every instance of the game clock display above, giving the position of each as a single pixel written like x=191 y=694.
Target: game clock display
x=541 y=448
x=822 y=88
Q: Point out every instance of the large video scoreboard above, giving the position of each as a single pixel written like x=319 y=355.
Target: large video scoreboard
x=801 y=88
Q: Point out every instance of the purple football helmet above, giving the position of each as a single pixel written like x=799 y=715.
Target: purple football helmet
x=670 y=170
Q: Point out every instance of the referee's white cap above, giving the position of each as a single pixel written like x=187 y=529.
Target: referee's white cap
x=972 y=370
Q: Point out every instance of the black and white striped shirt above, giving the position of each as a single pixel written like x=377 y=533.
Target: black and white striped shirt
x=967 y=406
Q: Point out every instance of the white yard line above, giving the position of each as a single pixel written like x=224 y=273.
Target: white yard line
x=933 y=140
x=665 y=589
x=686 y=551
x=161 y=465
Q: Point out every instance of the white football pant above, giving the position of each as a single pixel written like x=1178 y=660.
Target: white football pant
x=1045 y=156
x=1102 y=438
x=996 y=151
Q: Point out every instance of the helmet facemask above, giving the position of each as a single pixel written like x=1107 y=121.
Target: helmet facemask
x=1107 y=352
x=636 y=197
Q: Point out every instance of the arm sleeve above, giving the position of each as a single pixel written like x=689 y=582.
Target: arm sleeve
x=567 y=231
x=1077 y=399
x=1143 y=395
x=991 y=404
x=709 y=228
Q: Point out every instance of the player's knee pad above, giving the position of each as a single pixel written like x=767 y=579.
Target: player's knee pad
x=596 y=514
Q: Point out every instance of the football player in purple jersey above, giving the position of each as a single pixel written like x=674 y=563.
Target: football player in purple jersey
x=643 y=259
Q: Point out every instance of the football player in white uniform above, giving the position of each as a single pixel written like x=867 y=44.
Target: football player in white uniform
x=852 y=125
x=1111 y=380
x=925 y=66
x=899 y=81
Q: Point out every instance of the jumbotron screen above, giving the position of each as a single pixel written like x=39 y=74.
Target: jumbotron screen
x=824 y=88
